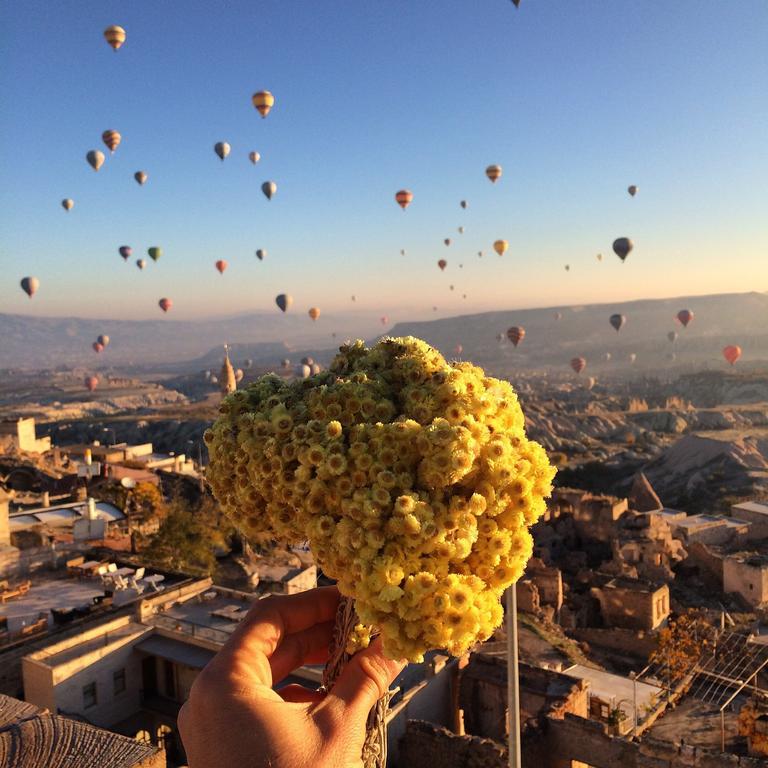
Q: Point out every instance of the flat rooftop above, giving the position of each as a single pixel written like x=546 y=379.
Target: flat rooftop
x=62 y=515
x=756 y=507
x=52 y=592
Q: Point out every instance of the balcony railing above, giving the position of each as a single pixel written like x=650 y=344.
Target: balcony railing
x=199 y=631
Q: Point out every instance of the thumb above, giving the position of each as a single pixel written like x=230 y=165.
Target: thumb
x=365 y=679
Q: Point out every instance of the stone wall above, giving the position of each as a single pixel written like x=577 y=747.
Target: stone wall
x=708 y=561
x=426 y=744
x=630 y=642
x=15 y=563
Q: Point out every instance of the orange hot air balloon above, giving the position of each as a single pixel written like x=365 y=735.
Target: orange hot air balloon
x=493 y=172
x=115 y=36
x=97 y=347
x=732 y=353
x=684 y=316
x=516 y=334
x=314 y=313
x=404 y=198
x=112 y=139
x=165 y=304
x=501 y=246
x=263 y=101
x=91 y=382
x=578 y=364
x=221 y=265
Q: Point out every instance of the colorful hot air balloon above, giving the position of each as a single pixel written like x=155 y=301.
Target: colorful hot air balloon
x=501 y=246
x=261 y=254
x=115 y=36
x=732 y=353
x=685 y=316
x=103 y=339
x=68 y=204
x=457 y=350
x=254 y=157
x=222 y=149
x=578 y=364
x=269 y=188
x=464 y=204
x=284 y=301
x=622 y=246
x=493 y=172
x=221 y=265
x=125 y=251
x=140 y=263
x=632 y=189
x=447 y=241
x=155 y=252
x=95 y=159
x=672 y=336
x=30 y=285
x=165 y=304
x=314 y=313
x=112 y=139
x=404 y=198
x=617 y=321
x=384 y=319
x=91 y=382
x=516 y=334
x=141 y=177
x=97 y=347
x=263 y=101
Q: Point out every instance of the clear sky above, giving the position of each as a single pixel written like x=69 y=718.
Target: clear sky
x=576 y=100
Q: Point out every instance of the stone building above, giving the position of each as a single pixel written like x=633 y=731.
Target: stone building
x=756 y=514
x=19 y=435
x=645 y=547
x=746 y=575
x=632 y=603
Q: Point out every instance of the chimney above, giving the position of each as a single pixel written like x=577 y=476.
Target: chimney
x=92 y=508
x=46 y=499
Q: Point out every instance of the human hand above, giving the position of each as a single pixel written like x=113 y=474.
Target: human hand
x=234 y=718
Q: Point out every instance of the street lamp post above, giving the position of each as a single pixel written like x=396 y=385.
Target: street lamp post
x=513 y=682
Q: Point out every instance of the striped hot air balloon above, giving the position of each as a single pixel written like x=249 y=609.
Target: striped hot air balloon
x=165 y=304
x=578 y=364
x=263 y=101
x=112 y=139
x=221 y=265
x=115 y=36
x=516 y=334
x=404 y=198
x=493 y=172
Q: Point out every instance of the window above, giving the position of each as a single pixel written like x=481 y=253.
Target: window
x=118 y=681
x=89 y=695
x=604 y=711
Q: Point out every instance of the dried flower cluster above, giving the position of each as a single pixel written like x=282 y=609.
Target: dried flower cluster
x=412 y=479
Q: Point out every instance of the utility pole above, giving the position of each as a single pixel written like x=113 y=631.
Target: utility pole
x=513 y=680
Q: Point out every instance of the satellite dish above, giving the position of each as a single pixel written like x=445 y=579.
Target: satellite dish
x=128 y=482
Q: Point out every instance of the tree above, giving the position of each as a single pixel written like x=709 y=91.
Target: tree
x=681 y=645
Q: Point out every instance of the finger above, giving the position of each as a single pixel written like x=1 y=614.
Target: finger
x=298 y=694
x=310 y=646
x=364 y=680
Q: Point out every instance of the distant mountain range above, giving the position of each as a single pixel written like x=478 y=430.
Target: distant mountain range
x=175 y=346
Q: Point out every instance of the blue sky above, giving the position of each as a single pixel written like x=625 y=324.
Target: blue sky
x=574 y=100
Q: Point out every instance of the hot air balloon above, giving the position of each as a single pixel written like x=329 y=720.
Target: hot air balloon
x=464 y=204
x=125 y=251
x=493 y=172
x=672 y=336
x=239 y=374
x=384 y=319
x=254 y=157
x=447 y=241
x=461 y=266
x=732 y=353
x=607 y=357
x=578 y=364
x=685 y=316
x=165 y=304
x=632 y=357
x=91 y=382
x=315 y=368
x=403 y=198
x=617 y=321
x=671 y=356
x=103 y=340
x=451 y=287
x=516 y=334
x=155 y=252
x=269 y=188
x=457 y=350
x=480 y=254
x=622 y=246
x=115 y=36
x=461 y=230
x=97 y=347
x=567 y=267
x=284 y=301
x=632 y=189
x=261 y=254
x=214 y=379
x=263 y=101
x=589 y=382
x=112 y=139
x=95 y=159
x=221 y=265
x=30 y=285
x=314 y=313
x=248 y=364
x=558 y=315
x=68 y=204
x=402 y=251
x=207 y=374
x=286 y=363
x=304 y=371
x=599 y=257
x=500 y=337
x=140 y=263
x=501 y=246
x=353 y=298
x=141 y=177
x=516 y=3
x=222 y=149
